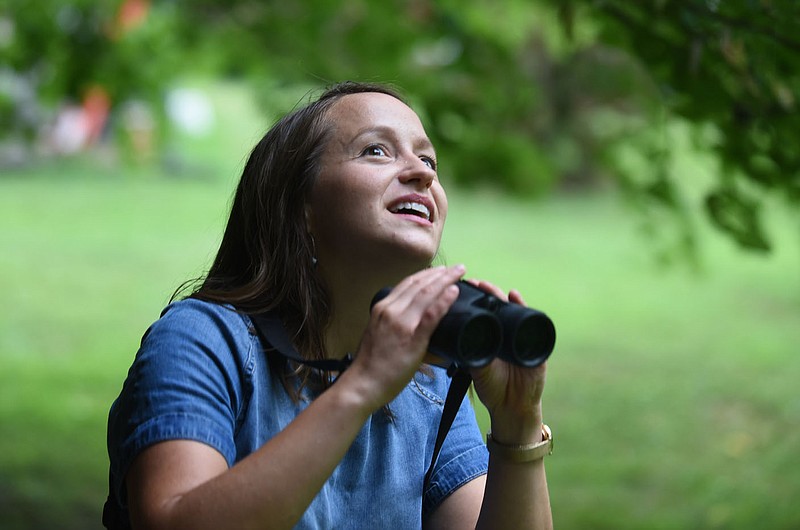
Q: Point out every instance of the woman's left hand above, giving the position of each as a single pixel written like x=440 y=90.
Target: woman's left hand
x=512 y=394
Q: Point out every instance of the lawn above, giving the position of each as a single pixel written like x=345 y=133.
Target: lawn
x=672 y=393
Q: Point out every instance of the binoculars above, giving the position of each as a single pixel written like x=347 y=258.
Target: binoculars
x=479 y=327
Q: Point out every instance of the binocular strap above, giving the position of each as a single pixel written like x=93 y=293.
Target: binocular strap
x=275 y=340
x=455 y=395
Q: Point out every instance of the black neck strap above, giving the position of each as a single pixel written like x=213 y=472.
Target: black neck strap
x=275 y=340
x=455 y=395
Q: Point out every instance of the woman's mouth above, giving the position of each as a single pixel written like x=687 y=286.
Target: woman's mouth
x=412 y=208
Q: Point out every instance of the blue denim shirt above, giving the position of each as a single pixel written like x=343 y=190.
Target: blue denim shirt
x=201 y=374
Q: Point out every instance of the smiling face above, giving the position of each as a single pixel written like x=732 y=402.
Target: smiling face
x=377 y=200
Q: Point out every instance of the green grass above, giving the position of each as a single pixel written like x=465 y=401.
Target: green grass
x=672 y=395
x=86 y=263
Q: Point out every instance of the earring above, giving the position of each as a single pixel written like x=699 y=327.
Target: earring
x=314 y=260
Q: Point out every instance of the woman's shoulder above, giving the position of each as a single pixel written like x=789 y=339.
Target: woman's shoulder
x=201 y=313
x=200 y=325
x=196 y=306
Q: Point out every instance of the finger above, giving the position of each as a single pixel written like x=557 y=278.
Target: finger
x=423 y=305
x=435 y=309
x=515 y=297
x=421 y=288
x=491 y=289
x=398 y=292
x=418 y=304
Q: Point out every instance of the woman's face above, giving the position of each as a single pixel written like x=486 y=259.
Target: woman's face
x=377 y=196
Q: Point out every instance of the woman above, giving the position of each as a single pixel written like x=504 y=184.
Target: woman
x=338 y=200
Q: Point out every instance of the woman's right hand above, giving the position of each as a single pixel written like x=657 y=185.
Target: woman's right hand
x=396 y=339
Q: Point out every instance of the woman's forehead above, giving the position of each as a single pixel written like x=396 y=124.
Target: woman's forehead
x=372 y=109
x=355 y=115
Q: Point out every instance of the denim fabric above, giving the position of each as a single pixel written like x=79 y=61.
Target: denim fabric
x=200 y=374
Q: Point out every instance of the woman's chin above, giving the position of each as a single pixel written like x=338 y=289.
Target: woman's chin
x=420 y=253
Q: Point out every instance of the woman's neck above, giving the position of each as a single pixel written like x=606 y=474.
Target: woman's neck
x=351 y=290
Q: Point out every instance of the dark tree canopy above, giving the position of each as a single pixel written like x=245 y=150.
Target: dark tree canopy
x=731 y=65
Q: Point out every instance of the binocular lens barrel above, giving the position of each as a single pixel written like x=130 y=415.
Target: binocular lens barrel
x=529 y=339
x=471 y=338
x=479 y=327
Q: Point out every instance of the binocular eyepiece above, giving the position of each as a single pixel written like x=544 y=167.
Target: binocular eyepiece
x=479 y=327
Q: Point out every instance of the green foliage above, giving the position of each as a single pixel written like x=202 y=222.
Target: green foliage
x=68 y=46
x=525 y=96
x=60 y=51
x=56 y=42
x=733 y=65
x=511 y=104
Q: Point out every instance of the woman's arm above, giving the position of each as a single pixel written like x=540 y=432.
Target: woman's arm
x=516 y=494
x=512 y=495
x=184 y=484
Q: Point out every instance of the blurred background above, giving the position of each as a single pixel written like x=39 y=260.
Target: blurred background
x=632 y=167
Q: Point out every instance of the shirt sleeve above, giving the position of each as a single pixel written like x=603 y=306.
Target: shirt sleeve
x=463 y=458
x=187 y=382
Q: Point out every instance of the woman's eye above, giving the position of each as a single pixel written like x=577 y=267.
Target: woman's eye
x=374 y=150
x=430 y=162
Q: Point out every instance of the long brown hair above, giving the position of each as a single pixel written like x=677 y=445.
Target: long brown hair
x=265 y=261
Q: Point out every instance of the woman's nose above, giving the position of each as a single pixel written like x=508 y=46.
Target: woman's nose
x=418 y=171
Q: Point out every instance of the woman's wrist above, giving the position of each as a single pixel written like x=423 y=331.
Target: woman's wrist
x=516 y=431
x=354 y=395
x=521 y=453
